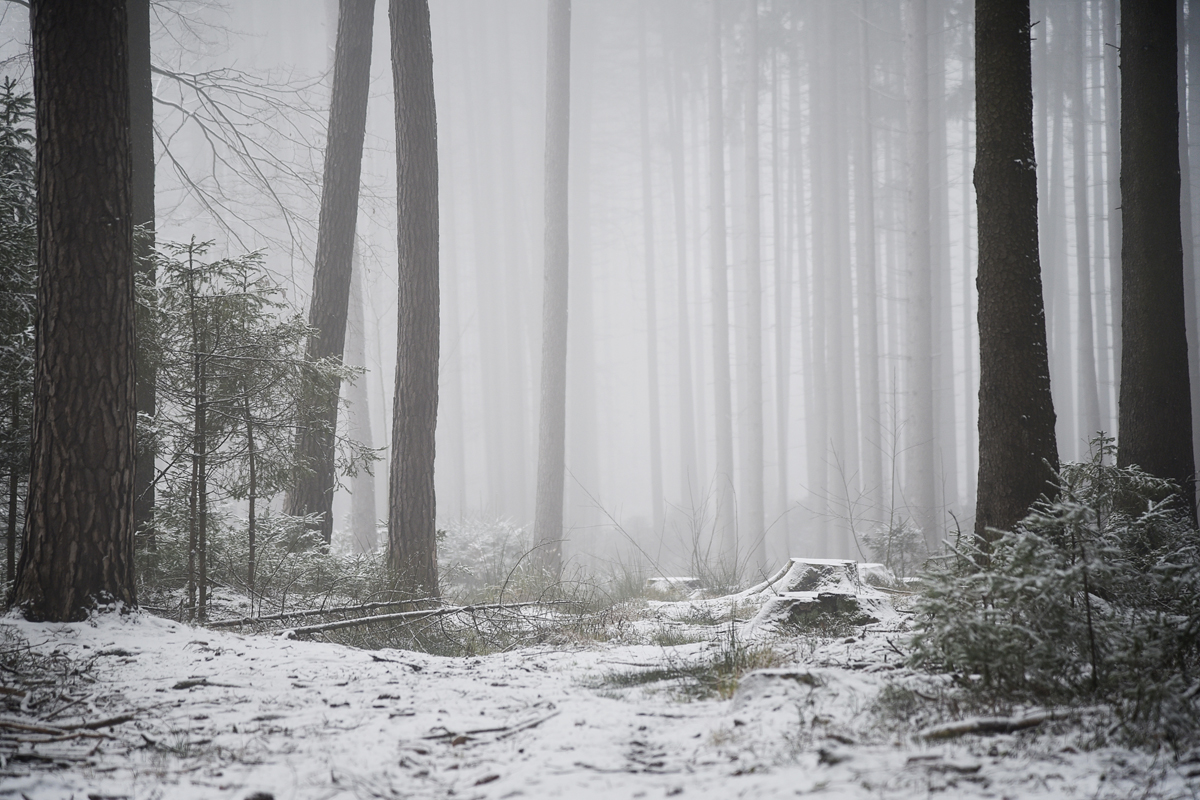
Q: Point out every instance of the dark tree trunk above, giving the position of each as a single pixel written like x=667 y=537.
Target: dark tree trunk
x=14 y=488
x=141 y=152
x=314 y=485
x=1155 y=402
x=79 y=526
x=548 y=516
x=412 y=542
x=1016 y=413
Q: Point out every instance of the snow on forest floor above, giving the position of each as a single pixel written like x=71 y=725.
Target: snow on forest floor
x=213 y=714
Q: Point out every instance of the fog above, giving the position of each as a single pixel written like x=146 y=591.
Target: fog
x=846 y=153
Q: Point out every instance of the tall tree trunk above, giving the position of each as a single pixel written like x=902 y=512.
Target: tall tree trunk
x=864 y=239
x=722 y=390
x=1017 y=449
x=780 y=228
x=1099 y=227
x=687 y=413
x=1054 y=245
x=799 y=237
x=752 y=487
x=920 y=466
x=583 y=439
x=313 y=488
x=78 y=549
x=252 y=499
x=412 y=534
x=141 y=156
x=944 y=411
x=363 y=533
x=548 y=519
x=1191 y=315
x=655 y=443
x=1089 y=389
x=1112 y=172
x=1155 y=406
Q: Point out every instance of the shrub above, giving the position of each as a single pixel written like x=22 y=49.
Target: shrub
x=1094 y=596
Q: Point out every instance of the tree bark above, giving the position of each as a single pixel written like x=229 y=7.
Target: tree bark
x=1017 y=449
x=78 y=551
x=412 y=535
x=1155 y=405
x=313 y=488
x=548 y=517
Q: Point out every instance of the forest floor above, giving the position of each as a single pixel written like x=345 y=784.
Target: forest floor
x=136 y=706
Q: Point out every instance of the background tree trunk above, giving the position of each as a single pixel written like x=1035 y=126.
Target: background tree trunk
x=548 y=519
x=141 y=156
x=1155 y=405
x=723 y=498
x=655 y=443
x=1016 y=413
x=79 y=526
x=752 y=437
x=920 y=465
x=412 y=535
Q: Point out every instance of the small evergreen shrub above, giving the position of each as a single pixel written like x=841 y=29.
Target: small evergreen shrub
x=1095 y=596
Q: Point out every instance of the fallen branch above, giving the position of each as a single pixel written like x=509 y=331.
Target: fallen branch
x=988 y=725
x=409 y=616
x=314 y=612
x=503 y=731
x=953 y=730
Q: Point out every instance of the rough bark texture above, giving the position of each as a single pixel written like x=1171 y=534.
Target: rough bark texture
x=1155 y=403
x=141 y=151
x=548 y=516
x=315 y=483
x=79 y=526
x=412 y=542
x=1016 y=413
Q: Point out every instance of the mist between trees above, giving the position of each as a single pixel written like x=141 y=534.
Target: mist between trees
x=772 y=344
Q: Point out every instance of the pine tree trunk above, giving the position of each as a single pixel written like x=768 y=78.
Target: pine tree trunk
x=920 y=462
x=687 y=413
x=412 y=535
x=1112 y=172
x=1155 y=405
x=1089 y=390
x=655 y=442
x=363 y=533
x=78 y=549
x=723 y=498
x=752 y=488
x=548 y=520
x=1016 y=412
x=313 y=488
x=864 y=238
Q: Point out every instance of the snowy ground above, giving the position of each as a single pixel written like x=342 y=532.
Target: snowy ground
x=213 y=714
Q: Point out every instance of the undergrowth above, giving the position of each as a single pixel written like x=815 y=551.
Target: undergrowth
x=1093 y=597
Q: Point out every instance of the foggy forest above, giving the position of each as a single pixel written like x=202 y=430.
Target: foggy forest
x=768 y=396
